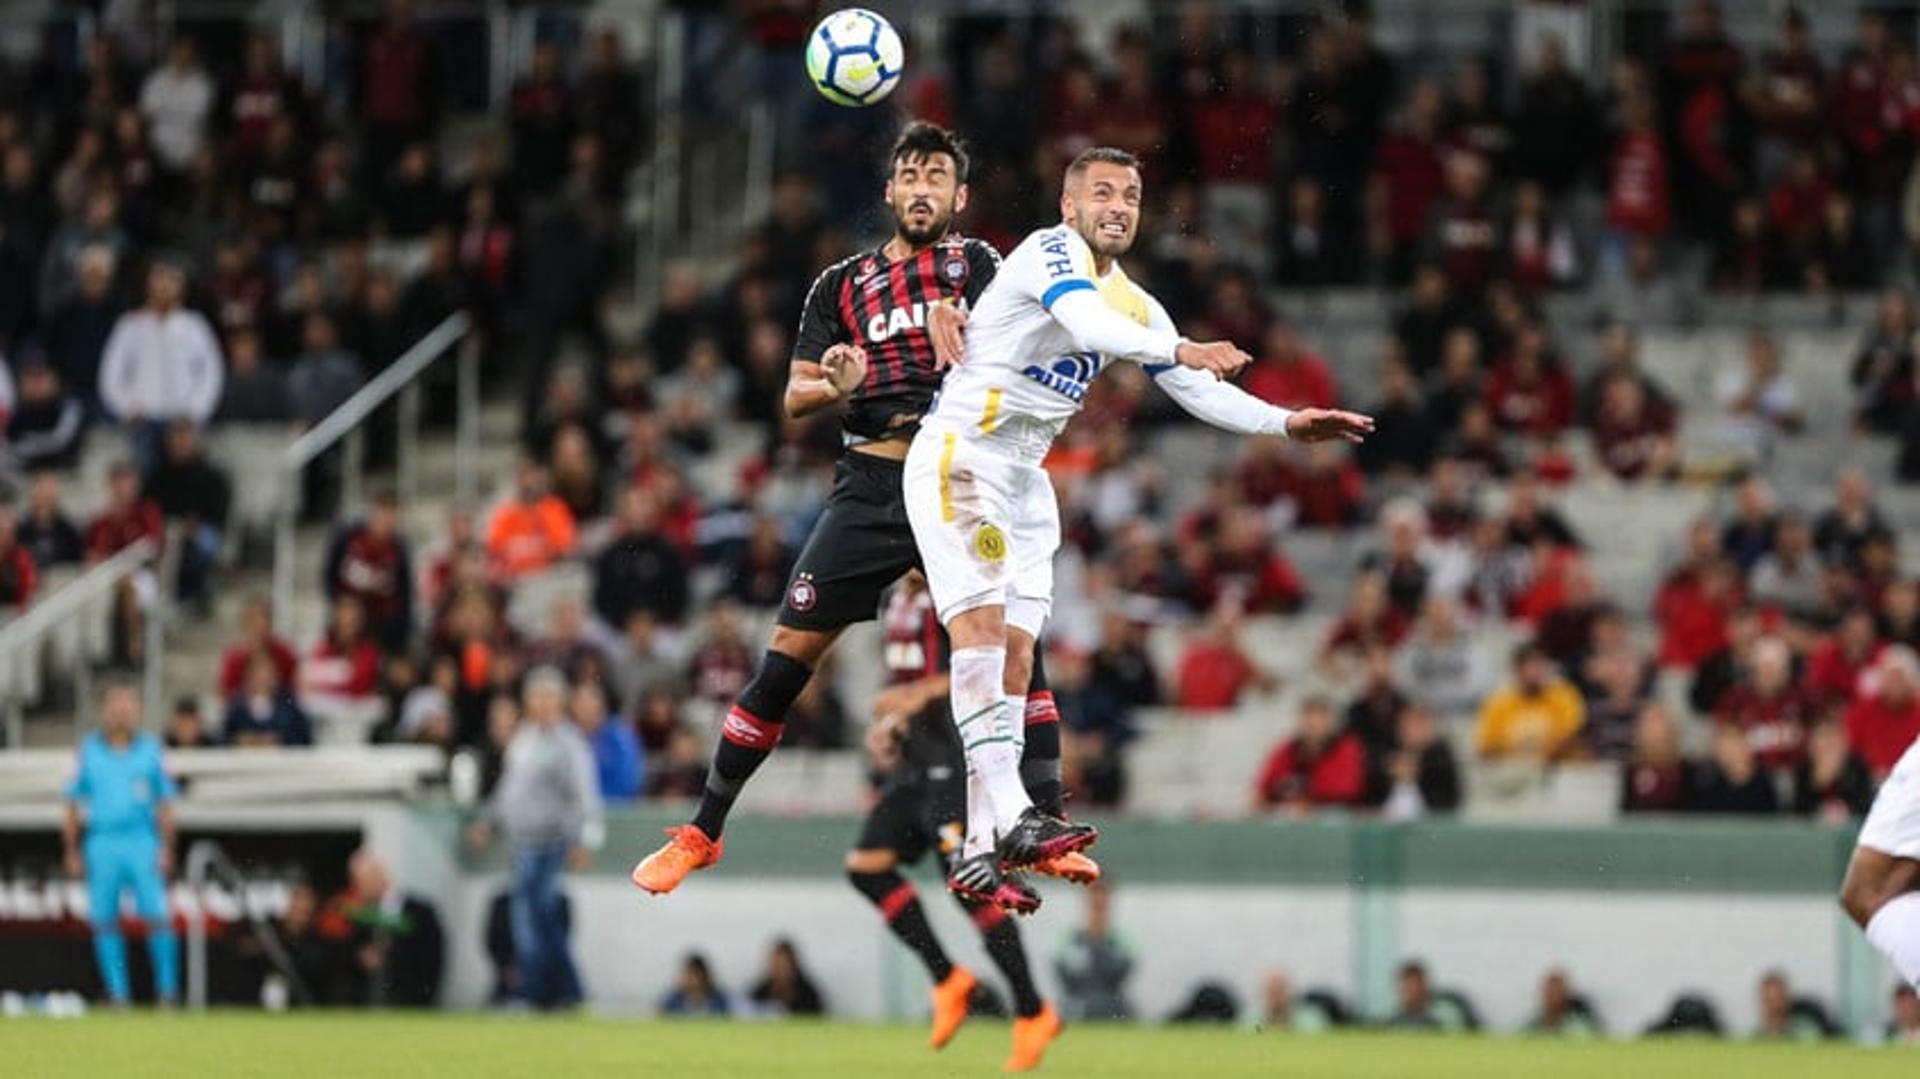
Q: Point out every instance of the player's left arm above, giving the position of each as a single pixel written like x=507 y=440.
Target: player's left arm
x=1231 y=408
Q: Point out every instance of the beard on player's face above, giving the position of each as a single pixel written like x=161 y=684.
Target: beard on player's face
x=920 y=220
x=1109 y=230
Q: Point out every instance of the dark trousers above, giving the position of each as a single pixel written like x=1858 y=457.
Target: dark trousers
x=548 y=978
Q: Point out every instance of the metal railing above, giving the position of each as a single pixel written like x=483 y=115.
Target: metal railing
x=206 y=860
x=79 y=611
x=348 y=423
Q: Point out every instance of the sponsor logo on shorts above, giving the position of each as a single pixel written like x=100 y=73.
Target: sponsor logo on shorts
x=803 y=595
x=990 y=544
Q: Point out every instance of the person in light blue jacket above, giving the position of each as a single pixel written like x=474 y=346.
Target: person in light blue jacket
x=122 y=799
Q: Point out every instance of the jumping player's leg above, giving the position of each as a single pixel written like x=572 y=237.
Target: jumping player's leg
x=1040 y=752
x=859 y=547
x=1882 y=887
x=758 y=718
x=978 y=695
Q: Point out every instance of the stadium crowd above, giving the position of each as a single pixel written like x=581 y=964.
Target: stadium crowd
x=184 y=246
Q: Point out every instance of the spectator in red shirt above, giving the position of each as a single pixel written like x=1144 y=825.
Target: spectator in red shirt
x=1408 y=179
x=1370 y=621
x=1248 y=568
x=1884 y=718
x=1655 y=780
x=1770 y=708
x=1232 y=127
x=18 y=574
x=127 y=518
x=1633 y=439
x=1215 y=669
x=1329 y=490
x=1463 y=236
x=1136 y=114
x=718 y=670
x=399 y=80
x=1530 y=393
x=1237 y=313
x=1289 y=374
x=1639 y=203
x=256 y=638
x=1321 y=765
x=339 y=680
x=1838 y=661
x=1265 y=471
x=369 y=561
x=1797 y=204
x=1792 y=89
x=1695 y=600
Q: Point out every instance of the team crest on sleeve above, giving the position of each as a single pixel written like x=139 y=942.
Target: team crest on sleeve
x=954 y=268
x=803 y=595
x=990 y=544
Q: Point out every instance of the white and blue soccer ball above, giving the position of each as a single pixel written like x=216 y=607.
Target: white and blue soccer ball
x=854 y=57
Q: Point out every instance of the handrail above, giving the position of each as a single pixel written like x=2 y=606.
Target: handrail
x=204 y=859
x=62 y=604
x=20 y=639
x=348 y=423
x=320 y=438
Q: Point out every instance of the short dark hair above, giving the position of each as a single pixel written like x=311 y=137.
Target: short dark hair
x=920 y=140
x=1110 y=155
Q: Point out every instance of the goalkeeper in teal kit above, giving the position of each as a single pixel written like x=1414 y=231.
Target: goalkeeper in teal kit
x=126 y=798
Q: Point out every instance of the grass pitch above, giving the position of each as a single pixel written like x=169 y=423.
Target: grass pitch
x=344 y=1044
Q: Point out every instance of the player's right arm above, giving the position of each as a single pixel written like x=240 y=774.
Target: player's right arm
x=1053 y=274
x=827 y=367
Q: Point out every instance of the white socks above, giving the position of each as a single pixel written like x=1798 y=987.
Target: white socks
x=1895 y=930
x=1017 y=725
x=988 y=731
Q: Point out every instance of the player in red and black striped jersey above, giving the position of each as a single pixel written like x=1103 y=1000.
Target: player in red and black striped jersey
x=923 y=807
x=863 y=343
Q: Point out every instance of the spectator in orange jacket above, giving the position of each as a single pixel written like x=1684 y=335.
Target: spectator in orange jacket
x=531 y=530
x=1320 y=765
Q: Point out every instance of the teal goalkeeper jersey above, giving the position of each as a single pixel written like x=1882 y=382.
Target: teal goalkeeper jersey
x=121 y=788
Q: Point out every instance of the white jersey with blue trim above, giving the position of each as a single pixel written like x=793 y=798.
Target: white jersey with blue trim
x=1021 y=361
x=1045 y=329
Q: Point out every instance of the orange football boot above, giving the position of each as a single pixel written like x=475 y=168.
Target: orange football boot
x=952 y=1003
x=1073 y=867
x=1031 y=1038
x=688 y=849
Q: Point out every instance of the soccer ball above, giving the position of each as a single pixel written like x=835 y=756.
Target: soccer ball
x=854 y=57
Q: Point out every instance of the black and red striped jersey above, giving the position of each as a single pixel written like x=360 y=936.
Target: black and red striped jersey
x=916 y=648
x=881 y=305
x=916 y=645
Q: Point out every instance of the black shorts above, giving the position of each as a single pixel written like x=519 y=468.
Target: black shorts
x=860 y=546
x=917 y=813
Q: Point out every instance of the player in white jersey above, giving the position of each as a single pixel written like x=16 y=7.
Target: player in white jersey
x=1882 y=889
x=982 y=508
